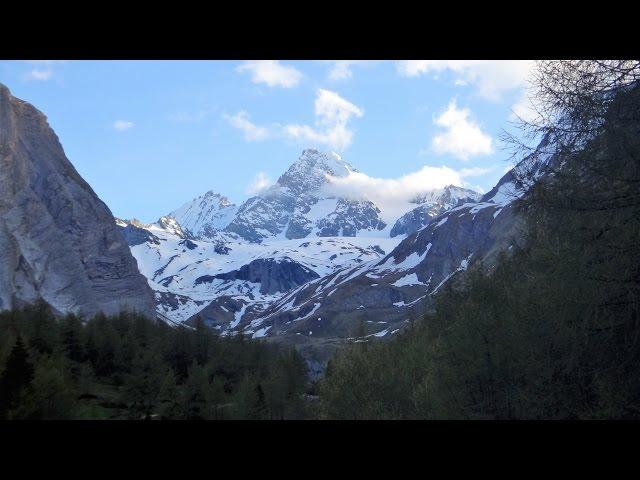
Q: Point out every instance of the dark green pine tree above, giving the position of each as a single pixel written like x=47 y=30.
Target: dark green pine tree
x=196 y=393
x=142 y=386
x=260 y=410
x=169 y=402
x=18 y=374
x=71 y=344
x=43 y=336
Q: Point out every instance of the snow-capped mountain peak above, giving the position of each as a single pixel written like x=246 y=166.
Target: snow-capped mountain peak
x=430 y=205
x=296 y=205
x=205 y=215
x=311 y=170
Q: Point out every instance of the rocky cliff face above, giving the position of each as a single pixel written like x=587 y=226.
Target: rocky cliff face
x=58 y=241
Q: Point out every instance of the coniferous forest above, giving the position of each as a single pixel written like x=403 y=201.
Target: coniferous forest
x=549 y=331
x=129 y=367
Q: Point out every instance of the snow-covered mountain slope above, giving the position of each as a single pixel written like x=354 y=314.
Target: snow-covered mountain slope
x=200 y=271
x=432 y=204
x=310 y=171
x=205 y=215
x=390 y=290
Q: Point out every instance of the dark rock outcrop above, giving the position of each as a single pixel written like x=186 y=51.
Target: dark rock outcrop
x=273 y=275
x=137 y=235
x=349 y=217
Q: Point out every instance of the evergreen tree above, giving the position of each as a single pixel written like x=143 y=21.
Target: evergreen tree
x=43 y=332
x=169 y=404
x=50 y=397
x=70 y=328
x=142 y=386
x=217 y=399
x=196 y=394
x=16 y=378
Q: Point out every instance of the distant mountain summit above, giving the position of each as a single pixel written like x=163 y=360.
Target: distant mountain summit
x=58 y=240
x=432 y=204
x=294 y=207
x=203 y=216
x=310 y=171
x=400 y=285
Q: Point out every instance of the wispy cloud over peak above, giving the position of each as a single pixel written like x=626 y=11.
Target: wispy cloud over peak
x=260 y=183
x=394 y=195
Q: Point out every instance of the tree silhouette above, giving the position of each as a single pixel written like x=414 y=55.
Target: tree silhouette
x=17 y=375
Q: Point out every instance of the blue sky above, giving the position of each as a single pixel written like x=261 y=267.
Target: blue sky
x=151 y=135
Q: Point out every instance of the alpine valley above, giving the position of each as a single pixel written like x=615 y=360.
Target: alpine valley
x=296 y=263
x=301 y=265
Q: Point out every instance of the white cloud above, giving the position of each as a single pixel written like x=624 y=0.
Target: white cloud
x=252 y=132
x=330 y=129
x=260 y=182
x=271 y=72
x=122 y=125
x=462 y=137
x=343 y=69
x=332 y=108
x=491 y=78
x=40 y=74
x=333 y=114
x=42 y=69
x=393 y=195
